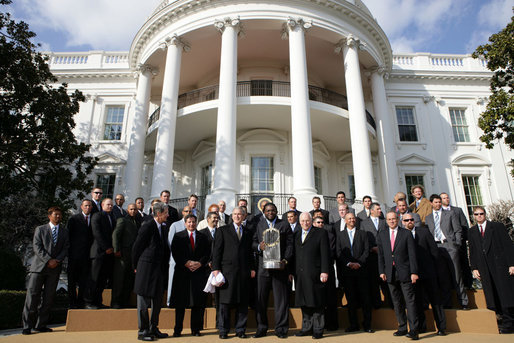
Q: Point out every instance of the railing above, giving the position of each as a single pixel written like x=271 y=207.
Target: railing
x=69 y=59
x=279 y=199
x=438 y=62
x=154 y=117
x=331 y=202
x=263 y=88
x=180 y=203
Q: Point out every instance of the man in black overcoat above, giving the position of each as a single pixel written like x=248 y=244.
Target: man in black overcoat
x=233 y=257
x=150 y=258
x=491 y=254
x=427 y=255
x=352 y=253
x=312 y=263
x=191 y=251
x=397 y=264
x=275 y=279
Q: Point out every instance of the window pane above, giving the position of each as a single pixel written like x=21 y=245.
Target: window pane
x=459 y=125
x=472 y=193
x=114 y=122
x=206 y=185
x=406 y=124
x=106 y=183
x=262 y=173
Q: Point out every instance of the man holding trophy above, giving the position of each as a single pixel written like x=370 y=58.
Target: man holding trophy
x=273 y=244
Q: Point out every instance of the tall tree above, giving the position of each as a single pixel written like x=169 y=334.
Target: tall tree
x=497 y=121
x=40 y=158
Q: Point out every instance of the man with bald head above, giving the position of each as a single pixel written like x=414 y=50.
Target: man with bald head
x=224 y=217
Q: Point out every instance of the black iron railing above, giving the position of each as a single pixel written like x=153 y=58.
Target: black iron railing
x=261 y=88
x=180 y=203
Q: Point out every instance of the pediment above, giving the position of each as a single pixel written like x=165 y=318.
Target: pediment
x=320 y=148
x=470 y=160
x=202 y=148
x=414 y=159
x=107 y=158
x=262 y=136
x=345 y=158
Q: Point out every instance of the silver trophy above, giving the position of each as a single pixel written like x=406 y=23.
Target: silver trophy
x=271 y=255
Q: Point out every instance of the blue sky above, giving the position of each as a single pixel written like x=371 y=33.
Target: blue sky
x=436 y=26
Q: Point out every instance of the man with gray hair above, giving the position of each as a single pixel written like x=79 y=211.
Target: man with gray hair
x=150 y=258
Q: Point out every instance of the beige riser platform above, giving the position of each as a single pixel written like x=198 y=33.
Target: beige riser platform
x=474 y=321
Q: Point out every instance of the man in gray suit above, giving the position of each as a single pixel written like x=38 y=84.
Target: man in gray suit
x=50 y=246
x=403 y=209
x=334 y=213
x=447 y=232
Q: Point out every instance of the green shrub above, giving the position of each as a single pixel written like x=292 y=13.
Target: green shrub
x=12 y=271
x=11 y=307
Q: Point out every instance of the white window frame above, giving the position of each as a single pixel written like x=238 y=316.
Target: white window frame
x=103 y=117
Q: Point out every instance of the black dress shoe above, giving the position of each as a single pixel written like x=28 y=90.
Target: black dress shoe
x=91 y=307
x=145 y=336
x=241 y=335
x=400 y=333
x=412 y=335
x=302 y=333
x=158 y=334
x=369 y=330
x=44 y=329
x=281 y=335
x=196 y=333
x=441 y=333
x=465 y=308
x=223 y=336
x=352 y=329
x=317 y=336
x=259 y=334
x=26 y=332
x=177 y=334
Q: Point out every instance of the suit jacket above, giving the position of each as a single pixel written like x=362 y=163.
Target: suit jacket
x=227 y=219
x=234 y=258
x=450 y=226
x=150 y=257
x=102 y=230
x=173 y=216
x=415 y=216
x=95 y=208
x=284 y=215
x=462 y=220
x=334 y=214
x=424 y=208
x=118 y=212
x=426 y=252
x=187 y=285
x=362 y=215
x=80 y=236
x=124 y=235
x=312 y=257
x=358 y=252
x=326 y=215
x=403 y=255
x=286 y=242
x=369 y=227
x=492 y=255
x=45 y=250
x=207 y=233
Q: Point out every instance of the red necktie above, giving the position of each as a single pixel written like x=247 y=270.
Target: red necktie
x=192 y=239
x=482 y=231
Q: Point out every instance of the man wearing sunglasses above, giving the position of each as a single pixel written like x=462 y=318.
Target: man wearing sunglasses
x=427 y=255
x=491 y=254
x=96 y=197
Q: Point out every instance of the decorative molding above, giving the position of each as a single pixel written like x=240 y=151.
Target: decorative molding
x=414 y=159
x=107 y=158
x=220 y=25
x=470 y=160
x=176 y=40
x=321 y=148
x=203 y=148
x=481 y=100
x=427 y=99
x=178 y=157
x=262 y=136
x=350 y=41
x=146 y=68
x=292 y=24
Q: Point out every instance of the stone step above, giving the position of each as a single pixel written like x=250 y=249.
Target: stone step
x=473 y=321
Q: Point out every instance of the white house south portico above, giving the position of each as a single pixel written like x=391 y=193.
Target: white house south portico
x=238 y=99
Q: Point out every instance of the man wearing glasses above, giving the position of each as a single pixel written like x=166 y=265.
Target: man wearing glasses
x=491 y=255
x=96 y=197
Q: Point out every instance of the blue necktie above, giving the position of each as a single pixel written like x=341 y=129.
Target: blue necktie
x=54 y=234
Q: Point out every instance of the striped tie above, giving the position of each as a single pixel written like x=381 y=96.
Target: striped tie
x=54 y=234
x=437 y=229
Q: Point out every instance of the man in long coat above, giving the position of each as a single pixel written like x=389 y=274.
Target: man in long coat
x=233 y=257
x=492 y=262
x=150 y=258
x=312 y=264
x=191 y=251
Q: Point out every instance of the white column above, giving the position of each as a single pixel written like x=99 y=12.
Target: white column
x=136 y=151
x=301 y=136
x=225 y=161
x=165 y=146
x=385 y=136
x=361 y=153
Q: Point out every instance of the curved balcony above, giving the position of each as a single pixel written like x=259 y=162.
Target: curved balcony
x=261 y=88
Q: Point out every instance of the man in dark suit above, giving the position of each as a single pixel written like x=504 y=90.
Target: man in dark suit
x=312 y=262
x=173 y=214
x=233 y=257
x=274 y=278
x=80 y=237
x=191 y=251
x=467 y=277
x=427 y=255
x=150 y=258
x=117 y=210
x=402 y=209
x=397 y=264
x=210 y=233
x=338 y=226
x=397 y=196
x=291 y=203
x=225 y=217
x=123 y=238
x=366 y=201
x=334 y=213
x=331 y=317
x=372 y=226
x=101 y=254
x=491 y=254
x=292 y=220
x=352 y=253
x=50 y=246
x=192 y=202
x=96 y=199
x=316 y=204
x=447 y=232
